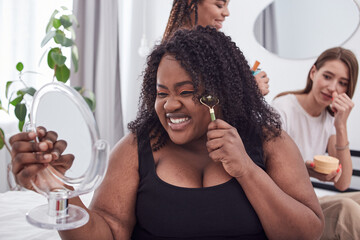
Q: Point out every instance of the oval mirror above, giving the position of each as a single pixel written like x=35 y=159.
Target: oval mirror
x=62 y=109
x=303 y=29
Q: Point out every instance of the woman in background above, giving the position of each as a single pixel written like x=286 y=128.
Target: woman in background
x=179 y=175
x=190 y=13
x=316 y=118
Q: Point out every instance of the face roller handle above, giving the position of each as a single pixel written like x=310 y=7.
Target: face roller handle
x=212 y=114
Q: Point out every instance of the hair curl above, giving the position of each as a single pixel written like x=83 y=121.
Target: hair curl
x=216 y=64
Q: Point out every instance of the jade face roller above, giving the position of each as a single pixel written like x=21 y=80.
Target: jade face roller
x=210 y=101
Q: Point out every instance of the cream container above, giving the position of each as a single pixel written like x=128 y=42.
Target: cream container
x=325 y=164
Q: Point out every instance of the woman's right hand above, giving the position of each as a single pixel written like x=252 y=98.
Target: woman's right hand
x=262 y=81
x=29 y=156
x=331 y=177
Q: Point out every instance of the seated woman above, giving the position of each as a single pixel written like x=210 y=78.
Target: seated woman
x=315 y=118
x=179 y=175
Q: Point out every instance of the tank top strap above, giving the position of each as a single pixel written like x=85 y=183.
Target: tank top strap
x=146 y=161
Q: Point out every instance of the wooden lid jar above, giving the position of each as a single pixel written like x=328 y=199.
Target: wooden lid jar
x=325 y=164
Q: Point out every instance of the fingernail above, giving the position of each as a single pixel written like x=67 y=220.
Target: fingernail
x=32 y=135
x=47 y=157
x=55 y=155
x=312 y=164
x=41 y=131
x=43 y=146
x=49 y=143
x=338 y=170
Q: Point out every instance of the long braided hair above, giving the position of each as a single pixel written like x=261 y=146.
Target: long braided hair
x=180 y=16
x=216 y=64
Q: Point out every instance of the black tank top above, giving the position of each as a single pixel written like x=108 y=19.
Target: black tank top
x=165 y=211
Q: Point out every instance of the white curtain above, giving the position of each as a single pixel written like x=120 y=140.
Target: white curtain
x=97 y=39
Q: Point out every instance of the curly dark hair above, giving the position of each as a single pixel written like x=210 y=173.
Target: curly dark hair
x=216 y=64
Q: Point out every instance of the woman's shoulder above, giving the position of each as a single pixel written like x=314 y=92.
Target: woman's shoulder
x=125 y=148
x=285 y=103
x=284 y=99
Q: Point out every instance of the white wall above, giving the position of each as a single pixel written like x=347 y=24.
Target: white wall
x=305 y=28
x=285 y=74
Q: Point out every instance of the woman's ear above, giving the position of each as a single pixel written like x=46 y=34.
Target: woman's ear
x=313 y=70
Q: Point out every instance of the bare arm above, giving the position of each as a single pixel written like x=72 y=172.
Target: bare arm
x=344 y=157
x=112 y=210
x=283 y=196
x=342 y=106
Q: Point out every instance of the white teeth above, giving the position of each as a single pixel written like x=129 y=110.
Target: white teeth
x=178 y=120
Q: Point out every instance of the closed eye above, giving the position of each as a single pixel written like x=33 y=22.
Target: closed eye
x=187 y=92
x=162 y=94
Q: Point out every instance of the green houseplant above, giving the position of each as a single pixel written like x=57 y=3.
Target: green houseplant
x=61 y=35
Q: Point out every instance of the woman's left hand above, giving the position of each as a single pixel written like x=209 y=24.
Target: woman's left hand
x=225 y=145
x=331 y=177
x=341 y=106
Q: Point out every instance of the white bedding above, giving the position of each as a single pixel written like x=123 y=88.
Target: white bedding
x=13 y=224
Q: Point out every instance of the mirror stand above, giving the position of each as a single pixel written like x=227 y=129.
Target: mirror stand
x=58 y=214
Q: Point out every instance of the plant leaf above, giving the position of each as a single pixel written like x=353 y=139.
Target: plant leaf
x=20 y=111
x=21 y=125
x=49 y=35
x=1 y=106
x=8 y=84
x=75 y=57
x=72 y=31
x=59 y=36
x=73 y=19
x=2 y=143
x=78 y=88
x=67 y=42
x=88 y=96
x=50 y=23
x=29 y=90
x=56 y=23
x=50 y=60
x=58 y=58
x=43 y=55
x=17 y=100
x=62 y=73
x=90 y=103
x=65 y=21
x=19 y=66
